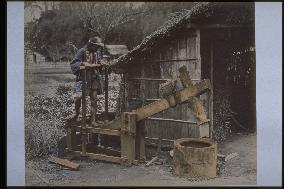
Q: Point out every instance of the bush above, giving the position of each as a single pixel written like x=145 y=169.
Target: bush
x=222 y=112
x=44 y=121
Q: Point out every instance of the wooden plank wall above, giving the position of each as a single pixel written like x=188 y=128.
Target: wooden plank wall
x=184 y=47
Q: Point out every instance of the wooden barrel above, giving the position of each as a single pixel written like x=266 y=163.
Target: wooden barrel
x=195 y=157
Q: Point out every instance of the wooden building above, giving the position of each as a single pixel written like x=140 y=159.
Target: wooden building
x=32 y=57
x=204 y=39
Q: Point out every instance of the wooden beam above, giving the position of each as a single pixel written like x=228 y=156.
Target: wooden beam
x=218 y=26
x=212 y=87
x=106 y=131
x=164 y=104
x=170 y=60
x=106 y=94
x=70 y=137
x=162 y=139
x=140 y=128
x=158 y=106
x=184 y=77
x=64 y=162
x=194 y=103
x=83 y=128
x=123 y=105
x=198 y=110
x=171 y=120
x=128 y=132
x=100 y=130
x=150 y=99
x=148 y=79
x=101 y=157
x=140 y=142
x=155 y=79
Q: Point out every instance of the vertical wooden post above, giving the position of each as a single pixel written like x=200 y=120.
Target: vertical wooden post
x=123 y=89
x=83 y=127
x=69 y=139
x=212 y=82
x=140 y=131
x=140 y=141
x=93 y=95
x=70 y=136
x=125 y=78
x=128 y=135
x=106 y=93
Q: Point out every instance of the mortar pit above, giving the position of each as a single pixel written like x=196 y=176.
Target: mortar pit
x=195 y=158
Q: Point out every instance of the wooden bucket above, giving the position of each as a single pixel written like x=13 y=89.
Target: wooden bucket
x=195 y=157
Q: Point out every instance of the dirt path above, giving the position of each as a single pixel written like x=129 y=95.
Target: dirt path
x=238 y=171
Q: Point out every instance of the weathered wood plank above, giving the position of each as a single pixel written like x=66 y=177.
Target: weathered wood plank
x=71 y=132
x=64 y=162
x=128 y=132
x=103 y=131
x=140 y=141
x=101 y=157
x=106 y=93
x=212 y=87
x=83 y=129
x=194 y=103
x=164 y=104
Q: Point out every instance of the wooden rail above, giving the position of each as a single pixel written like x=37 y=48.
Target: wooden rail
x=156 y=79
x=171 y=60
x=171 y=120
x=103 y=131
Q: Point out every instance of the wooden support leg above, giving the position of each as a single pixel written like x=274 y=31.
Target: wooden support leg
x=128 y=135
x=83 y=128
x=93 y=98
x=140 y=142
x=106 y=94
x=70 y=138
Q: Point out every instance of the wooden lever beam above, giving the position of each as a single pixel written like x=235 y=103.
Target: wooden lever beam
x=163 y=104
x=194 y=103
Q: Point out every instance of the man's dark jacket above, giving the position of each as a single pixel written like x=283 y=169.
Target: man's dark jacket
x=75 y=68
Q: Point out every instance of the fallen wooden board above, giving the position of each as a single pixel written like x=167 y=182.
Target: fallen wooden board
x=64 y=163
x=101 y=157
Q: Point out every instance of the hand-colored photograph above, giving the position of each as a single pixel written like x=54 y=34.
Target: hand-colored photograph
x=140 y=93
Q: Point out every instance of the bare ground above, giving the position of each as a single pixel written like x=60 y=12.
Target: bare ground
x=240 y=170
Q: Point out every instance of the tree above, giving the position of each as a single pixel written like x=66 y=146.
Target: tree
x=102 y=18
x=61 y=31
x=52 y=34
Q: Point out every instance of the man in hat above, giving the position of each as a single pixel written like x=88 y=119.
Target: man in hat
x=88 y=56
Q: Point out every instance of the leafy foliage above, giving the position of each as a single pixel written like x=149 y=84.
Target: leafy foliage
x=44 y=118
x=59 y=31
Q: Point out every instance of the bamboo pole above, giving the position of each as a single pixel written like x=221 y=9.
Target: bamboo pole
x=83 y=128
x=211 y=91
x=106 y=93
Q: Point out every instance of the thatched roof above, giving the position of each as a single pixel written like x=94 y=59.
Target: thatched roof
x=116 y=50
x=201 y=13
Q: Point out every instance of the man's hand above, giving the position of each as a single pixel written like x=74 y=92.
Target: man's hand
x=104 y=62
x=87 y=65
